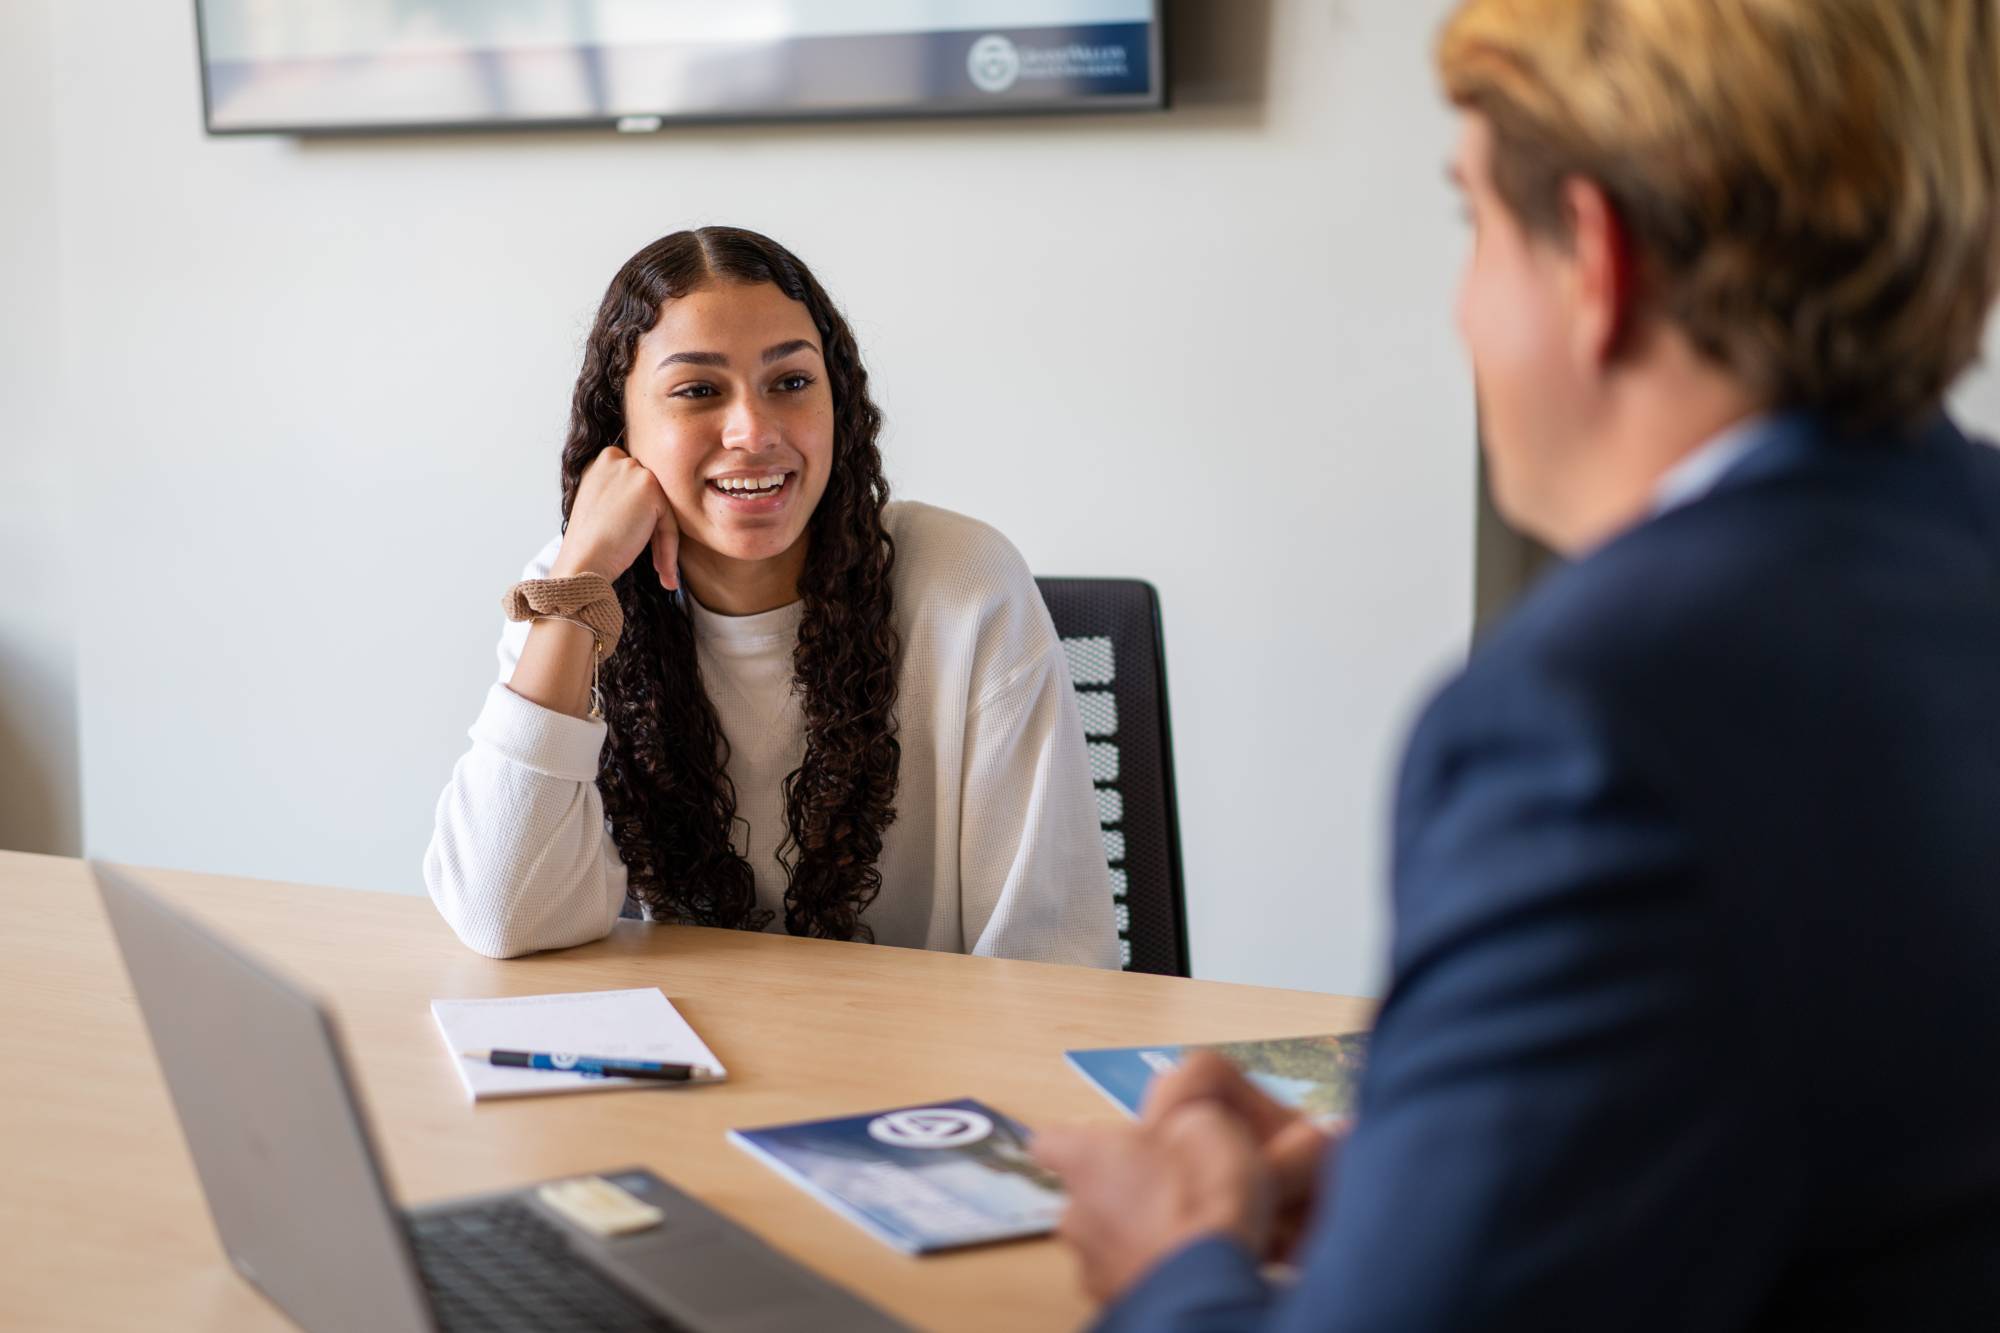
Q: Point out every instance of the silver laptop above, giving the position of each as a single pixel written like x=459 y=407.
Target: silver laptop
x=283 y=1150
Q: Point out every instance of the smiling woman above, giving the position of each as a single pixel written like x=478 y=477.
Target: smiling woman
x=743 y=688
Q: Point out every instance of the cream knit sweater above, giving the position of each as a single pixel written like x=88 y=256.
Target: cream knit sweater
x=995 y=848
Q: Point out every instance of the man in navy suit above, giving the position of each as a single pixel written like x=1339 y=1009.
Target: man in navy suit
x=1694 y=1020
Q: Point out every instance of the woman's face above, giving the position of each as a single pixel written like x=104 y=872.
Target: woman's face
x=728 y=406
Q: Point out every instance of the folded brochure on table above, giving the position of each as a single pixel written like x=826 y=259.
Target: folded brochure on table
x=1319 y=1075
x=922 y=1178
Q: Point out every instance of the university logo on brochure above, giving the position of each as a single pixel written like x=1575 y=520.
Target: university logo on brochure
x=995 y=63
x=930 y=1127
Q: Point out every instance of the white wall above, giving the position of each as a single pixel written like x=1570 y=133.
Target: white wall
x=325 y=385
x=312 y=395
x=39 y=807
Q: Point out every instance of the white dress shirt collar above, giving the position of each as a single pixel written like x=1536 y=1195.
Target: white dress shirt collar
x=1696 y=474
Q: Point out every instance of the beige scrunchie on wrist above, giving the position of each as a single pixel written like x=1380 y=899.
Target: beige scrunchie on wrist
x=588 y=599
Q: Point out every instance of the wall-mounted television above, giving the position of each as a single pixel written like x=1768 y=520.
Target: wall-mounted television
x=370 y=66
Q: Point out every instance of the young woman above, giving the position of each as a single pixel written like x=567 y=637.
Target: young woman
x=744 y=689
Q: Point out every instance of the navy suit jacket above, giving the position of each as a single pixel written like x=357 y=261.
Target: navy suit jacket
x=1694 y=1019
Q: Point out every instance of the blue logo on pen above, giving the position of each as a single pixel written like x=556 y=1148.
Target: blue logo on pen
x=562 y=1060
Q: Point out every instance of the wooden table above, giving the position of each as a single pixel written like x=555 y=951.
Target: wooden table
x=102 y=1225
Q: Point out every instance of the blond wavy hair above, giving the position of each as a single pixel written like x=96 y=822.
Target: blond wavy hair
x=1813 y=186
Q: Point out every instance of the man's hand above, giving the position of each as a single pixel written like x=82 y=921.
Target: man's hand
x=1293 y=1148
x=1139 y=1193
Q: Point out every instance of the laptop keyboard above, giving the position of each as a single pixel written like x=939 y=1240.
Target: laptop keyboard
x=500 y=1267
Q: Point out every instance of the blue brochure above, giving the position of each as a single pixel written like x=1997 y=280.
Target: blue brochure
x=922 y=1178
x=1318 y=1075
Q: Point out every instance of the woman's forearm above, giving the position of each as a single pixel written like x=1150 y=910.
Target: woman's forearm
x=555 y=667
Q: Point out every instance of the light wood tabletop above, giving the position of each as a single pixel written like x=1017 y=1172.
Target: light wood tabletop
x=102 y=1224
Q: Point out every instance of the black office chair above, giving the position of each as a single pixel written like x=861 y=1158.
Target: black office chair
x=1110 y=630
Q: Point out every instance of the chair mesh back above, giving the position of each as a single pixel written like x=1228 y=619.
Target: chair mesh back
x=1110 y=630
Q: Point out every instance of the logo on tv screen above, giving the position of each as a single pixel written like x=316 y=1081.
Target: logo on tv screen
x=995 y=63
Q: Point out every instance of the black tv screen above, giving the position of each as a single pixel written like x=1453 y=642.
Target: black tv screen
x=350 y=66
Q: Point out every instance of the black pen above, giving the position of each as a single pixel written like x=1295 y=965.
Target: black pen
x=594 y=1066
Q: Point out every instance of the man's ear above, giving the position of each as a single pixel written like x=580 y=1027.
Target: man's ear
x=1604 y=278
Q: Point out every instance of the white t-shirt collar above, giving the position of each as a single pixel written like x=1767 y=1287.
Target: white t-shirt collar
x=745 y=634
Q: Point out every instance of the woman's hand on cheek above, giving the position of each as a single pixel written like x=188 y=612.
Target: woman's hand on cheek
x=667 y=547
x=619 y=511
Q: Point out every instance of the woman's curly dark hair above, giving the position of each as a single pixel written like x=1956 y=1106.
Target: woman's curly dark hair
x=667 y=793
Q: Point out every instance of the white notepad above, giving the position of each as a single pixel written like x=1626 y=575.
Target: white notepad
x=628 y=1024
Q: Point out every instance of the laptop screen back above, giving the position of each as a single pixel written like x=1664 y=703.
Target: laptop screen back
x=253 y=1065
